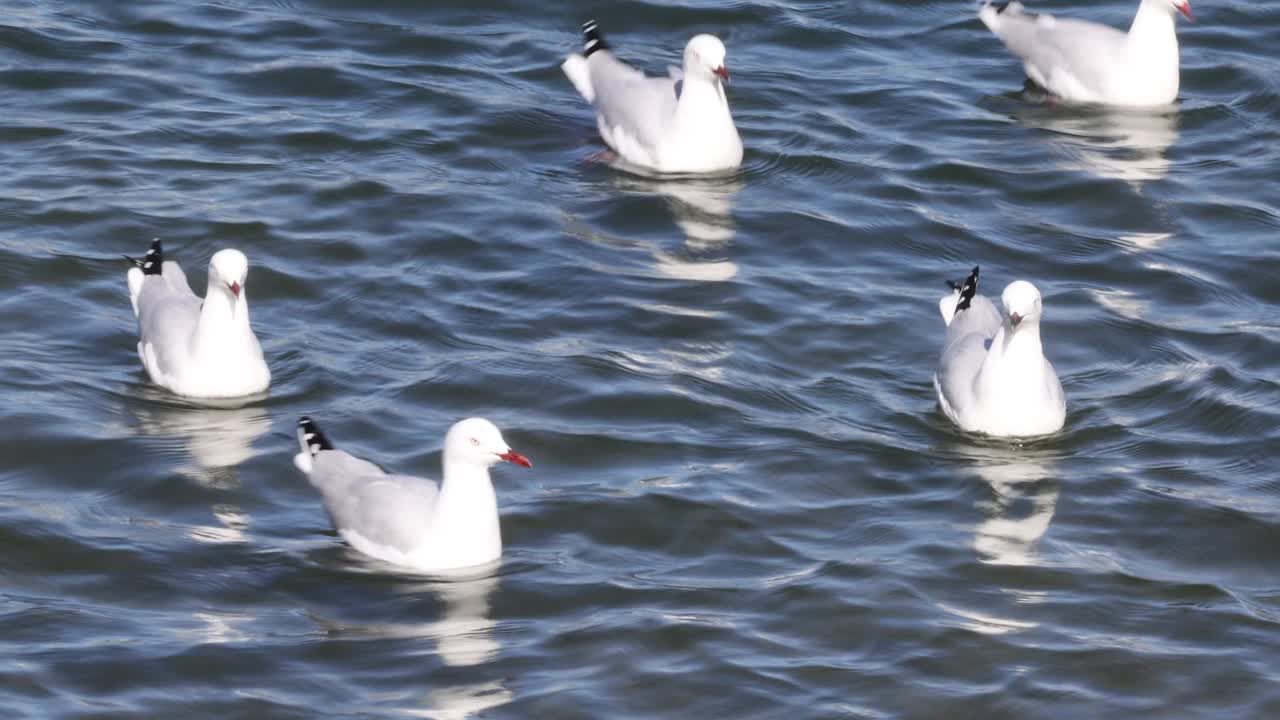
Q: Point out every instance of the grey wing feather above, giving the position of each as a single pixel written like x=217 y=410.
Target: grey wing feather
x=175 y=278
x=644 y=106
x=964 y=348
x=1090 y=50
x=363 y=498
x=982 y=318
x=167 y=313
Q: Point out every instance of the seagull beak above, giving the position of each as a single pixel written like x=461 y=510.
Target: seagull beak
x=235 y=289
x=1185 y=9
x=1014 y=319
x=512 y=456
x=722 y=72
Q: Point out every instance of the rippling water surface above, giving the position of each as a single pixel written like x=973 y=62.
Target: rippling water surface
x=745 y=502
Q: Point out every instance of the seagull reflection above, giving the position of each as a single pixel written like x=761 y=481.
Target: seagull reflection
x=213 y=442
x=1106 y=142
x=221 y=627
x=213 y=438
x=464 y=633
x=463 y=636
x=464 y=701
x=702 y=360
x=703 y=210
x=1024 y=499
x=1124 y=303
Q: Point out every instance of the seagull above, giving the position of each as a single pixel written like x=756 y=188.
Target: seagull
x=194 y=348
x=410 y=521
x=676 y=124
x=993 y=376
x=1085 y=62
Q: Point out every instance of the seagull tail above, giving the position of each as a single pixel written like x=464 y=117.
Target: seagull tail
x=150 y=264
x=990 y=13
x=575 y=68
x=310 y=441
x=592 y=40
x=967 y=290
x=960 y=296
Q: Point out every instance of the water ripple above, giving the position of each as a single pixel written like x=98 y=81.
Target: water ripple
x=741 y=477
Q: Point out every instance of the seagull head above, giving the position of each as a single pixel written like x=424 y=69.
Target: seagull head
x=476 y=441
x=704 y=58
x=1021 y=302
x=229 y=269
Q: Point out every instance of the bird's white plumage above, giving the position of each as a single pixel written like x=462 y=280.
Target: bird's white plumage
x=675 y=124
x=198 y=348
x=993 y=376
x=1086 y=62
x=412 y=521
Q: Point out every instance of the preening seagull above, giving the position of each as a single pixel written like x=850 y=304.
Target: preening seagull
x=197 y=348
x=1085 y=62
x=677 y=124
x=993 y=376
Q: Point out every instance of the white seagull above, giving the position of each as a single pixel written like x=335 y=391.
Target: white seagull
x=411 y=521
x=677 y=124
x=194 y=348
x=993 y=376
x=1085 y=62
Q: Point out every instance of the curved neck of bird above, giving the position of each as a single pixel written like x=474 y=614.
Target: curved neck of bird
x=224 y=320
x=1017 y=348
x=467 y=501
x=698 y=92
x=1014 y=352
x=464 y=477
x=1154 y=25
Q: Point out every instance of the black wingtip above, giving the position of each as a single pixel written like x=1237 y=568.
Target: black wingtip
x=592 y=40
x=311 y=437
x=967 y=289
x=153 y=262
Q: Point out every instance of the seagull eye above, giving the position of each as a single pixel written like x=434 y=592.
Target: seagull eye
x=475 y=441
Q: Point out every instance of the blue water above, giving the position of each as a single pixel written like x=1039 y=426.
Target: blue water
x=744 y=501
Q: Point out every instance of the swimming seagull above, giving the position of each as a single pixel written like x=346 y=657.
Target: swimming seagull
x=1085 y=62
x=194 y=348
x=677 y=124
x=993 y=376
x=411 y=521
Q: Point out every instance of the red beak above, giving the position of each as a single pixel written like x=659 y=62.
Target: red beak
x=1014 y=319
x=512 y=456
x=1185 y=9
x=722 y=72
x=235 y=289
